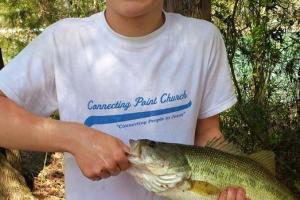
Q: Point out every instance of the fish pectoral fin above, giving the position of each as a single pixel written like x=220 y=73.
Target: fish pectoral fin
x=204 y=188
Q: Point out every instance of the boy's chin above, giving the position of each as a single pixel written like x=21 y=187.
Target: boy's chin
x=132 y=11
x=135 y=8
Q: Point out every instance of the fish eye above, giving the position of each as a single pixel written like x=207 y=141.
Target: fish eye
x=151 y=144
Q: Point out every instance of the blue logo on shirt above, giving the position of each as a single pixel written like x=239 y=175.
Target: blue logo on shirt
x=94 y=120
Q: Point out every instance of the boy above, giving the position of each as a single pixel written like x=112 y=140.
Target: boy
x=101 y=73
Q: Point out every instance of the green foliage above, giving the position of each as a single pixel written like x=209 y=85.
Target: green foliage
x=21 y=21
x=262 y=38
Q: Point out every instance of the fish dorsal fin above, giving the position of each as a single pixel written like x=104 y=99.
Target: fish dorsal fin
x=224 y=145
x=266 y=159
x=204 y=188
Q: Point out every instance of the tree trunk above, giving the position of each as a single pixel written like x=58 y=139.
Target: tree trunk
x=298 y=94
x=1 y=60
x=196 y=8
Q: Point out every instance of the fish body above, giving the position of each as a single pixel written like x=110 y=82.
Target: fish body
x=183 y=172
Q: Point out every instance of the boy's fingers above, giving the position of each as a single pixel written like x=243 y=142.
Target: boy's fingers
x=232 y=193
x=105 y=174
x=223 y=195
x=116 y=171
x=241 y=195
x=126 y=150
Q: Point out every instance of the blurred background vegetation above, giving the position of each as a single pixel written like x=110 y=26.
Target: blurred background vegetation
x=262 y=40
x=263 y=44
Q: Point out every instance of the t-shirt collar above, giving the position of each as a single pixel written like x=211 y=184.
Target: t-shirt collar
x=133 y=42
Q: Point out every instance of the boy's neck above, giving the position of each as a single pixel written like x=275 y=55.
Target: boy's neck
x=135 y=26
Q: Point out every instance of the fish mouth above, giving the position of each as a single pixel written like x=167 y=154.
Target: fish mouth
x=135 y=156
x=135 y=148
x=133 y=143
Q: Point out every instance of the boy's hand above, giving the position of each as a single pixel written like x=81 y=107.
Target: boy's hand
x=233 y=194
x=98 y=155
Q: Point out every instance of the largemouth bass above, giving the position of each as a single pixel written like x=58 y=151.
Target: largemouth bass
x=183 y=172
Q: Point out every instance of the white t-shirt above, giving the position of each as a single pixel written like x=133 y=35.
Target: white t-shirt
x=153 y=87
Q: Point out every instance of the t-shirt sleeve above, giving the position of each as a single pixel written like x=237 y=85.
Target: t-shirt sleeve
x=29 y=78
x=218 y=94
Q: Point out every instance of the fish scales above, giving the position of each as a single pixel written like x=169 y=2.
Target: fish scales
x=200 y=173
x=220 y=168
